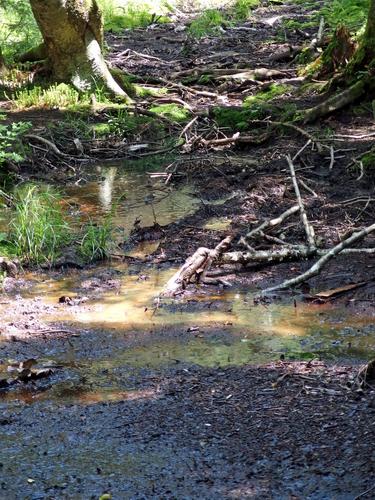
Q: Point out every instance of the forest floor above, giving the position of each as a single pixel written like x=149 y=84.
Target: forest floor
x=286 y=429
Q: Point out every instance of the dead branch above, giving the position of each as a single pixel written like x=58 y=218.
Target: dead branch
x=293 y=127
x=309 y=230
x=48 y=143
x=269 y=223
x=318 y=266
x=267 y=256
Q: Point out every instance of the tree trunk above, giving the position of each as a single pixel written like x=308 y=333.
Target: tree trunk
x=73 y=35
x=365 y=55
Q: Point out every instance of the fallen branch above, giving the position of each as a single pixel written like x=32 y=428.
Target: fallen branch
x=309 y=230
x=293 y=127
x=48 y=143
x=335 y=102
x=317 y=267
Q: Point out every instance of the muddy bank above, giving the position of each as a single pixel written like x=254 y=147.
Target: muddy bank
x=285 y=431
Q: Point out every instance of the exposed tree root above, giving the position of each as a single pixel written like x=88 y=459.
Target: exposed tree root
x=195 y=268
x=336 y=102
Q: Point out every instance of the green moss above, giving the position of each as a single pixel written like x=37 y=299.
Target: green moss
x=236 y=120
x=172 y=111
x=368 y=161
x=124 y=80
x=141 y=91
x=273 y=91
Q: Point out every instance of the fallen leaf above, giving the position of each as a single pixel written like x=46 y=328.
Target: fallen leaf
x=336 y=291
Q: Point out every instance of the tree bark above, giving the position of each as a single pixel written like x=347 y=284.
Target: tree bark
x=72 y=31
x=2 y=63
x=364 y=57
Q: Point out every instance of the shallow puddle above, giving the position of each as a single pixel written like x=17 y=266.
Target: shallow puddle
x=131 y=195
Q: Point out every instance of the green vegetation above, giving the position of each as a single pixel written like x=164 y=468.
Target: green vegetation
x=38 y=230
x=242 y=8
x=11 y=147
x=55 y=96
x=208 y=23
x=18 y=29
x=212 y=20
x=97 y=240
x=273 y=91
x=368 y=162
x=350 y=13
x=119 y=15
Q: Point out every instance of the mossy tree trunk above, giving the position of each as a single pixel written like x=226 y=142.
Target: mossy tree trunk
x=365 y=55
x=72 y=31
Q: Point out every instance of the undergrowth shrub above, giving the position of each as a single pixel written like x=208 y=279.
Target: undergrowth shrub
x=11 y=147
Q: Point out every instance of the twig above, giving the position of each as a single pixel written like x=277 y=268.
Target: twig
x=332 y=157
x=188 y=126
x=301 y=150
x=270 y=223
x=364 y=492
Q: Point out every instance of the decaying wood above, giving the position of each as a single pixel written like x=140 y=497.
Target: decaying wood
x=291 y=126
x=48 y=143
x=267 y=256
x=336 y=102
x=195 y=268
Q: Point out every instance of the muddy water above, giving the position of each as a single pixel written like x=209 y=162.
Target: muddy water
x=128 y=334
x=221 y=328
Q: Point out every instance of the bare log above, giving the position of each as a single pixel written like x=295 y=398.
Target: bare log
x=267 y=256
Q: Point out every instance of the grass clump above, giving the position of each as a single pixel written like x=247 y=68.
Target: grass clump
x=97 y=240
x=209 y=23
x=124 y=14
x=242 y=8
x=38 y=230
x=55 y=96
